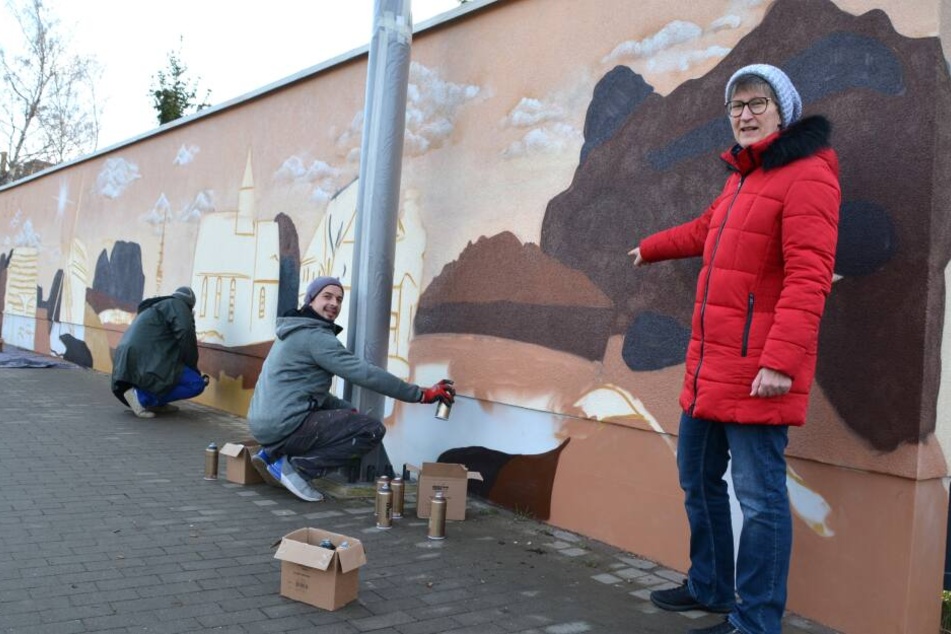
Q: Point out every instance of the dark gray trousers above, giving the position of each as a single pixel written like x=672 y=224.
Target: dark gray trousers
x=328 y=439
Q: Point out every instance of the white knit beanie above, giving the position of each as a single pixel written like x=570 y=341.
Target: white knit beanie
x=790 y=103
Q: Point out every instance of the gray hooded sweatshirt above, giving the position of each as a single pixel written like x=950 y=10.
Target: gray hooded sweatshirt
x=297 y=374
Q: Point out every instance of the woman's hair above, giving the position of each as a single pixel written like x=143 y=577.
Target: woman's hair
x=751 y=81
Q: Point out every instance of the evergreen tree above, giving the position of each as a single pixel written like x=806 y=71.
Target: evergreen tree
x=174 y=95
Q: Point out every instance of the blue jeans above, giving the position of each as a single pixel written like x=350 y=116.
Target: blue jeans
x=190 y=385
x=704 y=449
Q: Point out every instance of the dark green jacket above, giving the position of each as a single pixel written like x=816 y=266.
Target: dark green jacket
x=155 y=349
x=298 y=372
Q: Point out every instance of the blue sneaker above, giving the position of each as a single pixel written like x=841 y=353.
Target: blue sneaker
x=293 y=481
x=262 y=464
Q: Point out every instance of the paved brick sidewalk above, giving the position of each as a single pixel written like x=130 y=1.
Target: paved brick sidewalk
x=106 y=525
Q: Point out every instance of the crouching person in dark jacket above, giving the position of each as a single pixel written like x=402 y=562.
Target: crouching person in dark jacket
x=304 y=430
x=156 y=361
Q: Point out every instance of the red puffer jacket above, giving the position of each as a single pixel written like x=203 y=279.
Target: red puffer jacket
x=768 y=245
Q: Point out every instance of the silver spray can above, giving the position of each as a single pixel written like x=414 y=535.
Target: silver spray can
x=211 y=462
x=384 y=507
x=443 y=410
x=397 y=486
x=437 y=517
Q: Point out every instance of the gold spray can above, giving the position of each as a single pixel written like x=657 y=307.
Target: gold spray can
x=384 y=507
x=437 y=517
x=211 y=462
x=397 y=486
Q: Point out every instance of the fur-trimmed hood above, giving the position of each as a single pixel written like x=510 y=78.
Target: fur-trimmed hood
x=802 y=139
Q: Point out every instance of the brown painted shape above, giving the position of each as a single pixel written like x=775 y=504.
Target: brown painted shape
x=524 y=483
x=502 y=288
x=241 y=362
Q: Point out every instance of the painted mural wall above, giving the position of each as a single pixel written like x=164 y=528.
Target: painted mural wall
x=543 y=140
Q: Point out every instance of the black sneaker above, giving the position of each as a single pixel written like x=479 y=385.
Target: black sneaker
x=721 y=628
x=679 y=599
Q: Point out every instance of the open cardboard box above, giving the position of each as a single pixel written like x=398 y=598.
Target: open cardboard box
x=238 y=467
x=450 y=478
x=321 y=577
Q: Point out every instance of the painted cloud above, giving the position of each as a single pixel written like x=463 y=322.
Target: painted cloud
x=726 y=22
x=432 y=104
x=27 y=236
x=680 y=44
x=115 y=176
x=159 y=213
x=322 y=176
x=204 y=203
x=548 y=131
x=186 y=155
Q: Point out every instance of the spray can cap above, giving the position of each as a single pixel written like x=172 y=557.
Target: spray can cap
x=212 y=446
x=439 y=495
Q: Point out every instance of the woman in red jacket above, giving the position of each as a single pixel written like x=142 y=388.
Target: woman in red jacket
x=768 y=246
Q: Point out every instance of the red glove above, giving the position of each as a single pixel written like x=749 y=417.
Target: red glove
x=442 y=391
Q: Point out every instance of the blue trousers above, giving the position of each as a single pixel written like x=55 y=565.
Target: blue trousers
x=704 y=450
x=189 y=386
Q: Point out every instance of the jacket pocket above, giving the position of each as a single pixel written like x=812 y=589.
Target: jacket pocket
x=746 y=326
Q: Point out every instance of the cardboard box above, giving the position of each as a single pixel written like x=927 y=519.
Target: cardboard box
x=450 y=478
x=324 y=578
x=238 y=467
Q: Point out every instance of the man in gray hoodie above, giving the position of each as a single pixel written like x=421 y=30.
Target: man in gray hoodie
x=304 y=430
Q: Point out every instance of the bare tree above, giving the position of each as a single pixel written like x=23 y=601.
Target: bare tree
x=48 y=111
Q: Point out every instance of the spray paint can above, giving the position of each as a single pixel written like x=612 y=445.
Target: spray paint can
x=443 y=410
x=211 y=462
x=384 y=507
x=437 y=517
x=397 y=486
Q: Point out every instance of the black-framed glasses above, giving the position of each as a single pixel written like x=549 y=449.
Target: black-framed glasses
x=757 y=105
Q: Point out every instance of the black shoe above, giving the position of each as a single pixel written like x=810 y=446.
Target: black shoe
x=721 y=628
x=680 y=600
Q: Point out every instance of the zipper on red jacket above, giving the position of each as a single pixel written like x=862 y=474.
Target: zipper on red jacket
x=706 y=290
x=746 y=327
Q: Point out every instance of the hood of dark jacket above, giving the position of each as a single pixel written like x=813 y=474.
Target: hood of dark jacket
x=145 y=303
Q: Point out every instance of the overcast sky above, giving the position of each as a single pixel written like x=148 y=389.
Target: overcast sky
x=232 y=46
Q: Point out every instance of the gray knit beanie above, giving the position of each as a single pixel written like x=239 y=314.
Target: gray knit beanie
x=790 y=103
x=318 y=285
x=185 y=294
